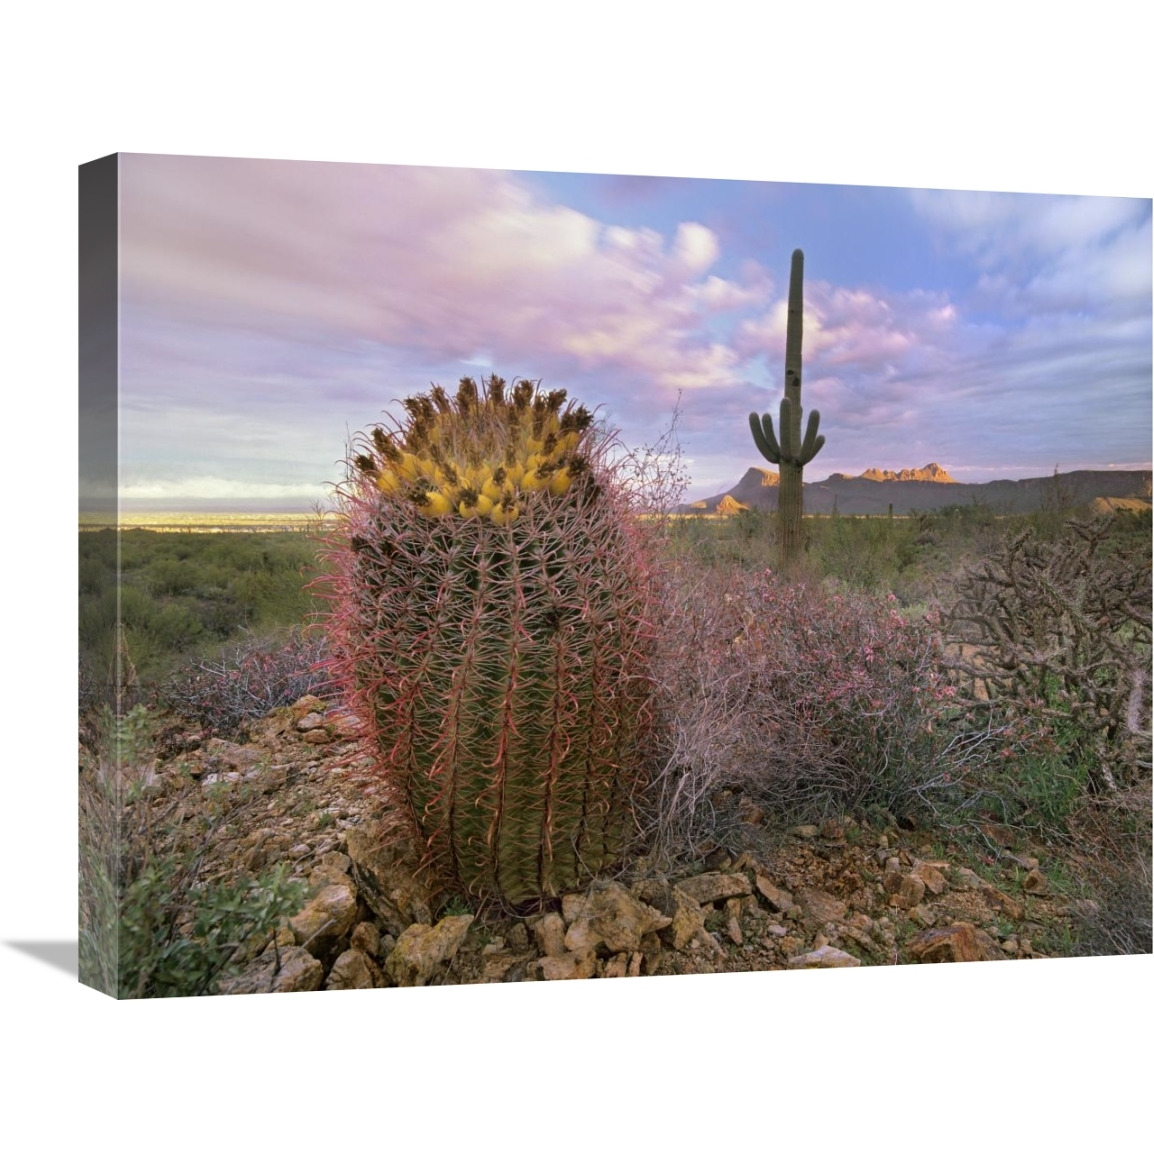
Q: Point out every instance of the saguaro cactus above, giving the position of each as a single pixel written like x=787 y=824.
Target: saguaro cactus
x=793 y=452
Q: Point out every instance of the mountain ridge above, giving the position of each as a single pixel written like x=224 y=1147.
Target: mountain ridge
x=866 y=494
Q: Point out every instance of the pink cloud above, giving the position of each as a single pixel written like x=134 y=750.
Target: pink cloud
x=439 y=261
x=856 y=328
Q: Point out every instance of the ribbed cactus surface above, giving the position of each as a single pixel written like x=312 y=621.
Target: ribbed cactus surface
x=492 y=614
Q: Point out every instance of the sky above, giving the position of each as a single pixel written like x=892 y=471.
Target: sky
x=271 y=309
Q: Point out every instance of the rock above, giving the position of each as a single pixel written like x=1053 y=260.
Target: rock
x=498 y=966
x=354 y=970
x=923 y=915
x=344 y=725
x=861 y=937
x=303 y=706
x=211 y=779
x=821 y=906
x=1003 y=902
x=568 y=966
x=931 y=877
x=309 y=722
x=655 y=892
x=687 y=922
x=892 y=877
x=366 y=937
x=909 y=894
x=705 y=889
x=651 y=952
x=422 y=950
x=749 y=813
x=960 y=942
x=778 y=900
x=733 y=920
x=549 y=932
x=279 y=970
x=386 y=877
x=1034 y=882
x=966 y=879
x=616 y=967
x=611 y=916
x=218 y=754
x=326 y=919
x=325 y=875
x=825 y=957
x=711 y=944
x=270 y=778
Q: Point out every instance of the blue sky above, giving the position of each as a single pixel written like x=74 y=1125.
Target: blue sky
x=269 y=309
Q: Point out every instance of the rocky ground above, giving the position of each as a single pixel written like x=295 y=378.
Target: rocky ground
x=842 y=894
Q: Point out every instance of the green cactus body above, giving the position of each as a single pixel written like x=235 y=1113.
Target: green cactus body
x=793 y=452
x=493 y=618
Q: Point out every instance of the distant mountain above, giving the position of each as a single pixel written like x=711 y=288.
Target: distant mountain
x=932 y=472
x=921 y=490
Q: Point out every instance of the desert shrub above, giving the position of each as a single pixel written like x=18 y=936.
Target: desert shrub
x=247 y=680
x=158 y=960
x=152 y=924
x=863 y=553
x=809 y=703
x=1056 y=636
x=1113 y=840
x=171 y=577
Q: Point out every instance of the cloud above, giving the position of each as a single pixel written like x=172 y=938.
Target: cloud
x=440 y=262
x=1047 y=253
x=270 y=309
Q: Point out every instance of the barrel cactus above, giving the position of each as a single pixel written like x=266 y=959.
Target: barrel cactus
x=492 y=617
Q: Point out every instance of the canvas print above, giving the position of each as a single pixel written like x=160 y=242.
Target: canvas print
x=496 y=576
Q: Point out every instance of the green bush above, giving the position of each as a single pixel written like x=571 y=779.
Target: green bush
x=150 y=925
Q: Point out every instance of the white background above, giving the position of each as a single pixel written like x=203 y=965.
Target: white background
x=1041 y=1056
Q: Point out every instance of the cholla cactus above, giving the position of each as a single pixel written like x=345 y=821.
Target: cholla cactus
x=492 y=615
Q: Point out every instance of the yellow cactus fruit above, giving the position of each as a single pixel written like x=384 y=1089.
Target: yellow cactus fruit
x=389 y=483
x=491 y=489
x=409 y=467
x=505 y=513
x=434 y=503
x=533 y=482
x=485 y=505
x=560 y=481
